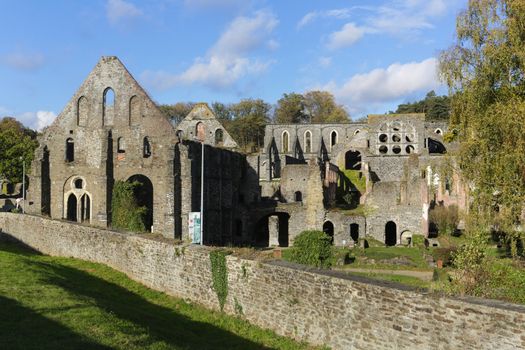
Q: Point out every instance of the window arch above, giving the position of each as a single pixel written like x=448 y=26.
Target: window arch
x=357 y=131
x=146 y=148
x=438 y=131
x=298 y=196
x=82 y=111
x=285 y=142
x=121 y=145
x=134 y=110
x=200 y=131
x=108 y=103
x=333 y=139
x=219 y=137
x=70 y=150
x=308 y=141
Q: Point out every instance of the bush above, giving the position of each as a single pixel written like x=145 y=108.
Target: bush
x=445 y=218
x=444 y=254
x=418 y=241
x=312 y=248
x=125 y=212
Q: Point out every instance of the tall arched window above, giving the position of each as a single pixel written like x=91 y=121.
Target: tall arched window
x=285 y=142
x=121 y=145
x=70 y=150
x=308 y=142
x=333 y=139
x=108 y=106
x=82 y=111
x=134 y=111
x=219 y=137
x=146 y=148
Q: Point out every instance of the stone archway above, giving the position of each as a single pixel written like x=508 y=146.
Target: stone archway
x=328 y=228
x=272 y=230
x=390 y=233
x=71 y=209
x=143 y=194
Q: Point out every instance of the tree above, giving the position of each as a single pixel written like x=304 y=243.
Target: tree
x=435 y=107
x=290 y=109
x=248 y=120
x=17 y=144
x=320 y=107
x=175 y=113
x=485 y=72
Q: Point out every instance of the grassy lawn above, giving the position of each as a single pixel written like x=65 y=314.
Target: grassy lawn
x=406 y=280
x=377 y=257
x=62 y=303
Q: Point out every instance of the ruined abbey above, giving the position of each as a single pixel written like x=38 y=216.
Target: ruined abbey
x=353 y=180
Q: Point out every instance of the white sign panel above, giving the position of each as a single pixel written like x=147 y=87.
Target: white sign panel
x=194 y=226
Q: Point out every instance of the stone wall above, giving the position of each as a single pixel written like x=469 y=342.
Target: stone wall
x=320 y=307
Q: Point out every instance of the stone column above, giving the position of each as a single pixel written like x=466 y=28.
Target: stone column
x=273 y=230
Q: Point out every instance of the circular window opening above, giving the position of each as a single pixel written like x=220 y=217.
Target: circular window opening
x=79 y=183
x=396 y=149
x=409 y=149
x=438 y=131
x=383 y=149
x=409 y=138
x=383 y=137
x=396 y=138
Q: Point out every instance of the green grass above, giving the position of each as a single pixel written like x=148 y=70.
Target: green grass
x=353 y=176
x=63 y=303
x=406 y=280
x=412 y=254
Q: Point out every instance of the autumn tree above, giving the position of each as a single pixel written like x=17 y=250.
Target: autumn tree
x=485 y=72
x=17 y=144
x=312 y=107
x=290 y=109
x=178 y=111
x=248 y=120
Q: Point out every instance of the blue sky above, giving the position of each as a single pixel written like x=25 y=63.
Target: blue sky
x=372 y=55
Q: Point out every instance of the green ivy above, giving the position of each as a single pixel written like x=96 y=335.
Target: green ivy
x=219 y=274
x=126 y=213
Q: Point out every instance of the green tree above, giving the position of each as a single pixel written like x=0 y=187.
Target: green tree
x=175 y=113
x=320 y=107
x=485 y=72
x=248 y=120
x=290 y=109
x=435 y=107
x=17 y=144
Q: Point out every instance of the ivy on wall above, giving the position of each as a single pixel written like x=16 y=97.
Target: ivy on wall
x=126 y=213
x=219 y=274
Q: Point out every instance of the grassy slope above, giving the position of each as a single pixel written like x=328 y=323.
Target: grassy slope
x=50 y=303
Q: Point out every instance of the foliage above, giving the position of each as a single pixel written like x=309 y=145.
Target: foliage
x=418 y=241
x=63 y=303
x=312 y=248
x=219 y=274
x=125 y=212
x=445 y=218
x=17 y=145
x=444 y=254
x=175 y=113
x=485 y=74
x=436 y=108
x=312 y=107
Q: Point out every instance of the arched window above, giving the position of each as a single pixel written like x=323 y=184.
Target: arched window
x=390 y=233
x=333 y=139
x=146 y=148
x=121 y=145
x=200 y=131
x=357 y=131
x=70 y=150
x=285 y=142
x=71 y=213
x=219 y=137
x=108 y=106
x=79 y=183
x=134 y=111
x=82 y=111
x=298 y=196
x=308 y=142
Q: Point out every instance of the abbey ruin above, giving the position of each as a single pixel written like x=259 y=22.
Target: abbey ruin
x=353 y=180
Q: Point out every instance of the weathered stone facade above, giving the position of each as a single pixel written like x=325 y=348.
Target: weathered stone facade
x=325 y=308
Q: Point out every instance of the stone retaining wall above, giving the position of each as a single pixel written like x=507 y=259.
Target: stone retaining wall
x=319 y=307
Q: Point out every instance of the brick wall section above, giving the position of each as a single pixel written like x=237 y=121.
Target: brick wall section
x=321 y=308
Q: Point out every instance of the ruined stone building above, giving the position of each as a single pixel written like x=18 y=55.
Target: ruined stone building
x=352 y=180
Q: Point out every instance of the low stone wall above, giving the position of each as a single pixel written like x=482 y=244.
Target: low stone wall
x=319 y=307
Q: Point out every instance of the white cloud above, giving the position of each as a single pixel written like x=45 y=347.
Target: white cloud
x=383 y=85
x=230 y=59
x=37 y=120
x=119 y=10
x=24 y=61
x=335 y=13
x=213 y=3
x=348 y=35
x=325 y=61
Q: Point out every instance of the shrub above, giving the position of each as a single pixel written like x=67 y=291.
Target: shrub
x=125 y=212
x=445 y=218
x=444 y=254
x=418 y=241
x=312 y=248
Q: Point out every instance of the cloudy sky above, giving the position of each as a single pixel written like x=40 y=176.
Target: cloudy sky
x=372 y=55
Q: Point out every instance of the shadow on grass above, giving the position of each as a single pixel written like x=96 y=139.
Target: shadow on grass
x=158 y=323
x=22 y=328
